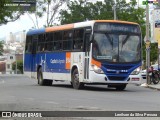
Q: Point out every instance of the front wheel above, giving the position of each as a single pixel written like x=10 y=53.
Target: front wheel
x=121 y=87
x=75 y=80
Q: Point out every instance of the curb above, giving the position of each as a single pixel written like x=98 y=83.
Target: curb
x=154 y=87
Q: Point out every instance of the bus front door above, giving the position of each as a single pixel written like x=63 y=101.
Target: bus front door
x=86 y=62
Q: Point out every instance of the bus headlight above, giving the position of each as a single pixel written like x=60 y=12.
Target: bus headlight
x=97 y=69
x=136 y=71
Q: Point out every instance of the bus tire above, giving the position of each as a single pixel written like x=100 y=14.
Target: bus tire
x=42 y=81
x=121 y=87
x=40 y=77
x=48 y=82
x=75 y=80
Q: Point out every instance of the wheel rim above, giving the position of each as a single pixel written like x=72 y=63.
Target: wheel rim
x=76 y=79
x=40 y=78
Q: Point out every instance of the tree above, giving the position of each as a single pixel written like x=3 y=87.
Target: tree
x=131 y=12
x=81 y=10
x=78 y=11
x=47 y=8
x=1 y=47
x=8 y=14
x=19 y=65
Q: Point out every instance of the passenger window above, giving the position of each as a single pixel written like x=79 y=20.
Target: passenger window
x=67 y=40
x=78 y=39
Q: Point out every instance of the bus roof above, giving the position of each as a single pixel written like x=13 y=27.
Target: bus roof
x=61 y=27
x=83 y=24
x=74 y=25
x=116 y=21
x=36 y=31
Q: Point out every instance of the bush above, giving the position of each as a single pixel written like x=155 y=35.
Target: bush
x=19 y=66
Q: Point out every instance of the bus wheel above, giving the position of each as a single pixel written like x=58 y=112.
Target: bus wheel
x=40 y=77
x=42 y=81
x=121 y=87
x=75 y=80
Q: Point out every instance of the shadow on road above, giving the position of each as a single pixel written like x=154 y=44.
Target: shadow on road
x=87 y=87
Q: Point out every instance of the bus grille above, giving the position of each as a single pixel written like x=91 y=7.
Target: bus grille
x=118 y=68
x=117 y=78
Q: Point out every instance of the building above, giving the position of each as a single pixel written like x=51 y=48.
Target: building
x=10 y=59
x=13 y=51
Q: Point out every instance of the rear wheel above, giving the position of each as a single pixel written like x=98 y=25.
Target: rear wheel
x=42 y=81
x=75 y=80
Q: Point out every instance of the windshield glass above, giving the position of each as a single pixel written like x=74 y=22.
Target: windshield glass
x=116 y=47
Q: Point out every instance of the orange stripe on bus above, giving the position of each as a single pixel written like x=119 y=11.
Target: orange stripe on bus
x=68 y=60
x=61 y=27
x=116 y=21
x=94 y=62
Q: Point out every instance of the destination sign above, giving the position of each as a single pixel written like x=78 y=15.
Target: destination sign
x=117 y=27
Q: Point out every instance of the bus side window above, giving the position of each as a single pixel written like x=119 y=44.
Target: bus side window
x=49 y=42
x=41 y=42
x=28 y=44
x=67 y=40
x=78 y=39
x=49 y=46
x=58 y=40
x=28 y=48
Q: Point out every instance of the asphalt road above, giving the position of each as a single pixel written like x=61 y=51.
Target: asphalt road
x=20 y=93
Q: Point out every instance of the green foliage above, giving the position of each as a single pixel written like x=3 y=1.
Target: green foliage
x=81 y=10
x=8 y=14
x=153 y=52
x=19 y=65
x=1 y=47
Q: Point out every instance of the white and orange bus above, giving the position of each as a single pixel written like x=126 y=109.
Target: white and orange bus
x=91 y=52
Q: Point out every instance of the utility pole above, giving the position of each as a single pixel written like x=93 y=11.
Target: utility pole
x=147 y=44
x=114 y=9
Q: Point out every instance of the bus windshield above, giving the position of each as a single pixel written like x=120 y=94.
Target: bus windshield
x=116 y=47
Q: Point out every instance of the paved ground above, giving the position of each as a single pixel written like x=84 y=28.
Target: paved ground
x=20 y=93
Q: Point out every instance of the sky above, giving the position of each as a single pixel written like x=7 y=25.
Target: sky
x=24 y=23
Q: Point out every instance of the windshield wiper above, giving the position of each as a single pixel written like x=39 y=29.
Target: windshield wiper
x=110 y=41
x=125 y=40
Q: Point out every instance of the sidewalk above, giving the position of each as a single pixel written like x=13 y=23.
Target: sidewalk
x=152 y=86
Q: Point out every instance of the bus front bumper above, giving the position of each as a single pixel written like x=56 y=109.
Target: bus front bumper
x=102 y=79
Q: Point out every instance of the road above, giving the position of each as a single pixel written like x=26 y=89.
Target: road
x=20 y=93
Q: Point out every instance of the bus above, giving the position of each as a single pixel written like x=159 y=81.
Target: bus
x=91 y=52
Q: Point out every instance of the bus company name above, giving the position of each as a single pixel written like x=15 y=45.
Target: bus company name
x=57 y=61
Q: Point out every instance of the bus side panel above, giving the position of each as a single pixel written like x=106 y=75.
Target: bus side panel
x=27 y=64
x=40 y=61
x=55 y=66
x=77 y=59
